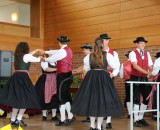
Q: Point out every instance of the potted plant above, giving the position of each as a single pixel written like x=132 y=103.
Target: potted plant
x=75 y=85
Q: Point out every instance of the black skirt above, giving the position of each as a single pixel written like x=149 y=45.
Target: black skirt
x=97 y=96
x=40 y=86
x=19 y=92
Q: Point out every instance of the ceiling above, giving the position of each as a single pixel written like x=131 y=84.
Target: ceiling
x=10 y=2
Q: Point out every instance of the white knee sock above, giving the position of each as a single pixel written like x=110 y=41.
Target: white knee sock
x=108 y=119
x=14 y=114
x=54 y=112
x=136 y=108
x=92 y=119
x=141 y=114
x=62 y=112
x=20 y=114
x=128 y=107
x=68 y=108
x=44 y=113
x=99 y=122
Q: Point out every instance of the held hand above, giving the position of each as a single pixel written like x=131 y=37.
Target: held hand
x=111 y=75
x=149 y=74
x=43 y=59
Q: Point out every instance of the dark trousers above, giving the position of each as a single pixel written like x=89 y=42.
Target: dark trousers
x=138 y=89
x=127 y=92
x=154 y=102
x=64 y=81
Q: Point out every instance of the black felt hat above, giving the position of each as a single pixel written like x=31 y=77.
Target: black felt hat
x=140 y=39
x=87 y=46
x=63 y=39
x=127 y=54
x=104 y=36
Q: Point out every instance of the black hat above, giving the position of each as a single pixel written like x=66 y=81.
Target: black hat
x=104 y=36
x=127 y=54
x=63 y=39
x=87 y=46
x=140 y=39
x=157 y=55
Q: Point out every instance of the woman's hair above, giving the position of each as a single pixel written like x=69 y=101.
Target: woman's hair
x=21 y=49
x=97 y=55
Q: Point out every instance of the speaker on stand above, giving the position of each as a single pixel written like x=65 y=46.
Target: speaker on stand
x=5 y=65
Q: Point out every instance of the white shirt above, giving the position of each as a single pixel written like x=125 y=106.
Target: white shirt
x=86 y=63
x=132 y=57
x=56 y=55
x=116 y=58
x=156 y=67
x=44 y=65
x=121 y=72
x=110 y=60
x=29 y=58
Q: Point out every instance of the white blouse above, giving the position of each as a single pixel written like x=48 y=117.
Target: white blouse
x=156 y=67
x=29 y=58
x=110 y=60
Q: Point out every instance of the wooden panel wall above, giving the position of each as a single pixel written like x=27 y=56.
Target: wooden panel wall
x=83 y=20
x=6 y=28
x=9 y=42
x=35 y=18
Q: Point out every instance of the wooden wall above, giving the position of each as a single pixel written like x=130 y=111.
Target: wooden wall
x=13 y=29
x=9 y=42
x=83 y=20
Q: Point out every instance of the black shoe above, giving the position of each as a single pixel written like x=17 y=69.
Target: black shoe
x=44 y=118
x=87 y=120
x=62 y=123
x=71 y=120
x=143 y=122
x=138 y=124
x=108 y=125
x=154 y=117
x=92 y=128
x=20 y=123
x=13 y=123
x=55 y=118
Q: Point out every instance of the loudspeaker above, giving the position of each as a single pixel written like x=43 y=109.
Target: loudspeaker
x=5 y=63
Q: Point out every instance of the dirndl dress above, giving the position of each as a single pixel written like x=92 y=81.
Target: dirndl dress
x=40 y=88
x=19 y=93
x=97 y=96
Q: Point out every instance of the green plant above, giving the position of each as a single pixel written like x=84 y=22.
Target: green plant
x=76 y=81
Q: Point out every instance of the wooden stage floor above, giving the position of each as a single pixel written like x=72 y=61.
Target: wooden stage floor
x=35 y=123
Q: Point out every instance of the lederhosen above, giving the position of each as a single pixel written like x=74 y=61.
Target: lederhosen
x=64 y=77
x=138 y=89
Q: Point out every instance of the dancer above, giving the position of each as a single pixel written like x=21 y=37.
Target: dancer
x=63 y=57
x=125 y=72
x=156 y=74
x=19 y=92
x=46 y=88
x=97 y=96
x=87 y=48
x=141 y=69
x=106 y=48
